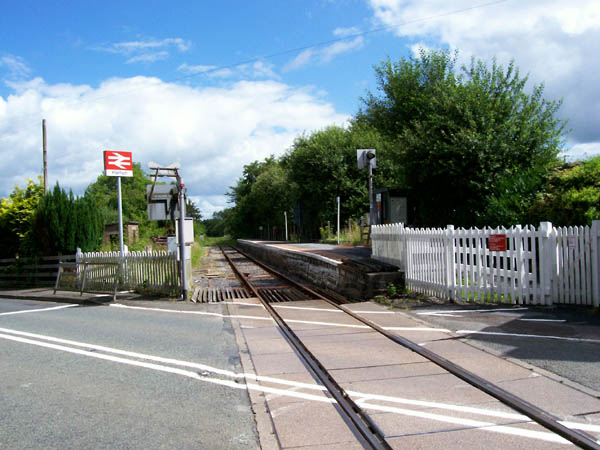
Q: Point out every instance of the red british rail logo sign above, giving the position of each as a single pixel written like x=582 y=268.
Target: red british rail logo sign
x=118 y=164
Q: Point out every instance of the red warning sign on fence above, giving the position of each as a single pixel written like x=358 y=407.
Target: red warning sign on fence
x=497 y=243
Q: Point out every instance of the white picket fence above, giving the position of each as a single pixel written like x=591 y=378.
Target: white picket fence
x=149 y=272
x=538 y=266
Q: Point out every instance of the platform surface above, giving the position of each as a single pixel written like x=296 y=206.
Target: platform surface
x=336 y=252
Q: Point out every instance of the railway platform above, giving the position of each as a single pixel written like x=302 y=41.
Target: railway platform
x=342 y=270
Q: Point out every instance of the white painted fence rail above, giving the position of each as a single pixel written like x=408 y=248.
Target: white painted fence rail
x=149 y=272
x=536 y=266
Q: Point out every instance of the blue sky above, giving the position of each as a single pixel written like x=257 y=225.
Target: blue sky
x=195 y=82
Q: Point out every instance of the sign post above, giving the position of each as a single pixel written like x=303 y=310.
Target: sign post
x=173 y=172
x=365 y=158
x=118 y=164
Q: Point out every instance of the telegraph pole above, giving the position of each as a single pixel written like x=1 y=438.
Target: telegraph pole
x=45 y=155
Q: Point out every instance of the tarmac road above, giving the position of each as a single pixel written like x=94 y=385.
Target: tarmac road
x=564 y=341
x=79 y=394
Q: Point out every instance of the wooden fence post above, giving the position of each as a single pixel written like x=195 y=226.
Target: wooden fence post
x=450 y=263
x=595 y=237
x=547 y=262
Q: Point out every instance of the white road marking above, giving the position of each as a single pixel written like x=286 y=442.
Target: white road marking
x=539 y=336
x=467 y=311
x=173 y=370
x=543 y=320
x=160 y=359
x=54 y=308
x=15 y=335
x=307 y=322
x=473 y=424
x=310 y=308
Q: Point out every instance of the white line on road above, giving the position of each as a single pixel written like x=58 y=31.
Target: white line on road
x=307 y=322
x=543 y=320
x=173 y=370
x=466 y=311
x=473 y=424
x=539 y=336
x=54 y=308
x=15 y=335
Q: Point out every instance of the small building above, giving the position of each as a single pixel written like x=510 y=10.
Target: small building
x=393 y=207
x=131 y=232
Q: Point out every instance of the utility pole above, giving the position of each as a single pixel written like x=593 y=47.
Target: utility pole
x=45 y=155
x=286 y=228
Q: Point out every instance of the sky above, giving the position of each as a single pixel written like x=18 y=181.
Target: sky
x=214 y=85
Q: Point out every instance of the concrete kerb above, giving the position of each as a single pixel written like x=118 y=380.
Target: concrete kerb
x=72 y=297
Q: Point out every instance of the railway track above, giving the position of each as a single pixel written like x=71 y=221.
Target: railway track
x=271 y=286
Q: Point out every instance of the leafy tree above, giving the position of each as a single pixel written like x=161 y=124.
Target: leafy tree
x=216 y=226
x=133 y=196
x=192 y=210
x=16 y=213
x=467 y=142
x=250 y=208
x=572 y=196
x=321 y=167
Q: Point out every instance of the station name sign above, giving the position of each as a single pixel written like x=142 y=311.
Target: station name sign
x=118 y=164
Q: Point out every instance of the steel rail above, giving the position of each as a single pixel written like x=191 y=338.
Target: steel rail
x=365 y=429
x=536 y=414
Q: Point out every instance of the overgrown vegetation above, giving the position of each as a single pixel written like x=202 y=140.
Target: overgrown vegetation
x=469 y=146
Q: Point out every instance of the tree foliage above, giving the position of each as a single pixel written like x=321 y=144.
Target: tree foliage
x=470 y=146
x=63 y=222
x=133 y=196
x=16 y=214
x=474 y=147
x=572 y=196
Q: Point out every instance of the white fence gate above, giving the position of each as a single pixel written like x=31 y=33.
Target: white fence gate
x=543 y=266
x=150 y=272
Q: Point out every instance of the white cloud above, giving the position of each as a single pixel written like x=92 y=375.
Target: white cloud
x=16 y=67
x=326 y=53
x=256 y=70
x=211 y=131
x=343 y=32
x=552 y=40
x=149 y=50
x=149 y=57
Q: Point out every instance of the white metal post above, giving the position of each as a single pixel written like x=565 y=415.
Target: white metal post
x=338 y=220
x=286 y=228
x=119 y=203
x=182 y=237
